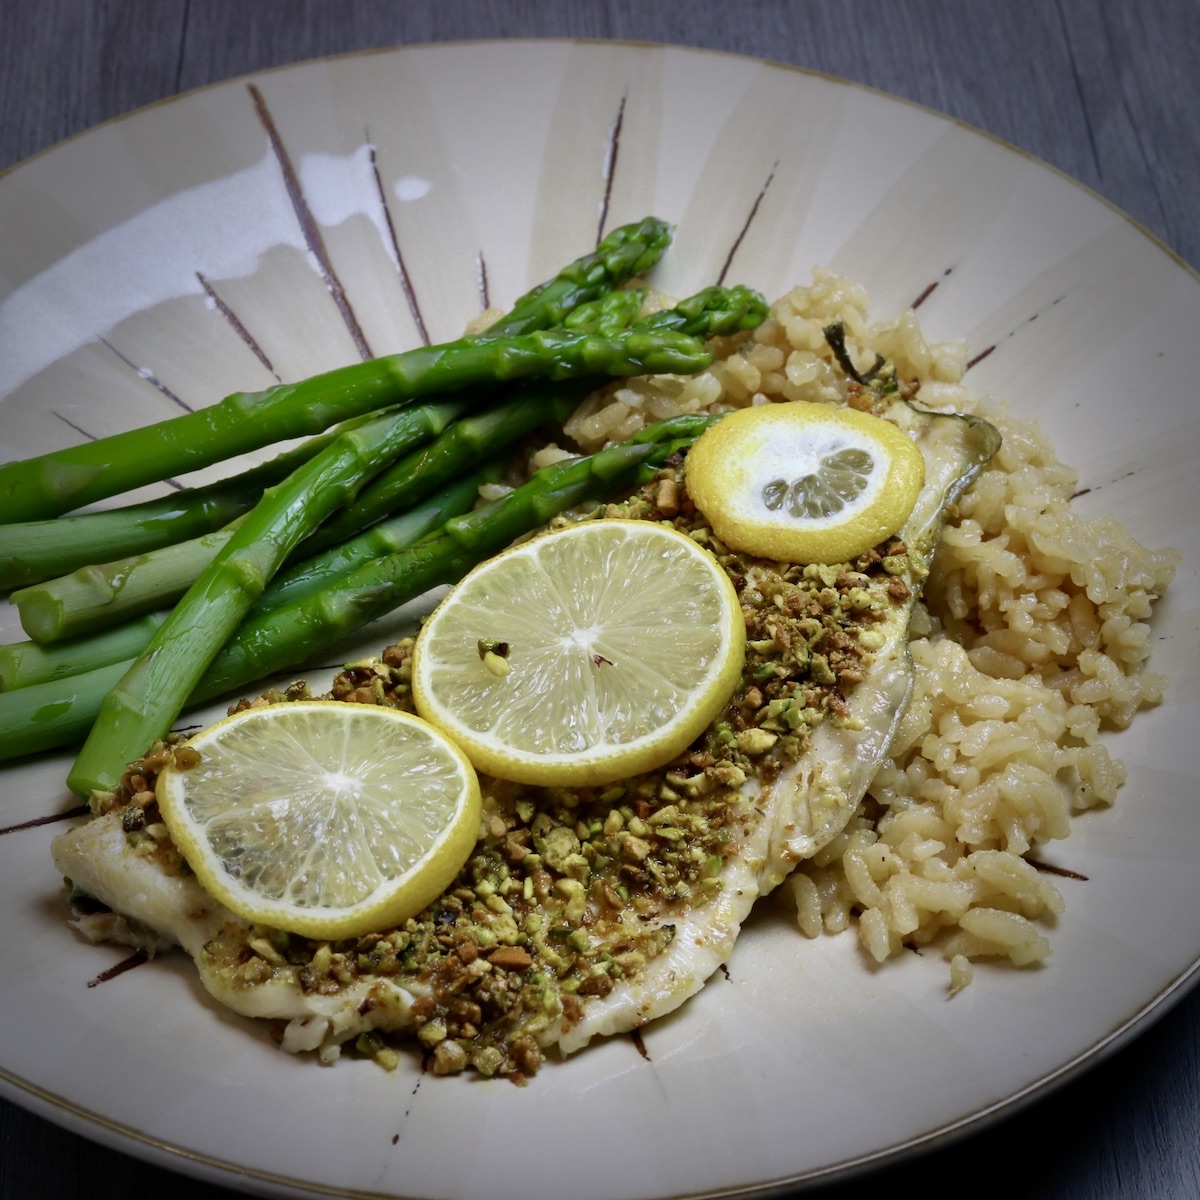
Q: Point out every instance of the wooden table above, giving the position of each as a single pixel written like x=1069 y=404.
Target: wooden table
x=1106 y=91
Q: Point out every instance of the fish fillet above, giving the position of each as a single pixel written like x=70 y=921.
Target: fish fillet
x=588 y=912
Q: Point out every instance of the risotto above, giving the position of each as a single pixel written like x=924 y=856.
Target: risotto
x=1032 y=638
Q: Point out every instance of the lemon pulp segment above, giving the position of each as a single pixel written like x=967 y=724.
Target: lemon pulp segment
x=804 y=482
x=323 y=818
x=621 y=642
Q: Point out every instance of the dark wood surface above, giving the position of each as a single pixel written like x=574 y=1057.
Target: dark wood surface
x=1107 y=91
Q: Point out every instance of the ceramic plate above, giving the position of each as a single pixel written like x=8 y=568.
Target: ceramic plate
x=277 y=226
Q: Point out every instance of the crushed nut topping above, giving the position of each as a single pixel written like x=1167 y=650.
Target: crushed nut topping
x=570 y=891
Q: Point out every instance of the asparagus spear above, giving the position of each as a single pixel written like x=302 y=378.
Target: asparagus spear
x=709 y=313
x=88 y=596
x=285 y=635
x=56 y=713
x=469 y=441
x=274 y=640
x=101 y=595
x=104 y=595
x=628 y=251
x=162 y=677
x=517 y=345
x=31 y=551
x=387 y=537
x=607 y=314
x=66 y=479
x=25 y=664
x=98 y=596
x=151 y=695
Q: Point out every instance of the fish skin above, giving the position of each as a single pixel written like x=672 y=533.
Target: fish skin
x=775 y=826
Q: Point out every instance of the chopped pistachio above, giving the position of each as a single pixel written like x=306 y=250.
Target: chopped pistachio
x=576 y=898
x=756 y=741
x=871 y=639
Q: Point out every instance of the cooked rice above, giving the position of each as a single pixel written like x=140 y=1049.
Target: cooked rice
x=1032 y=638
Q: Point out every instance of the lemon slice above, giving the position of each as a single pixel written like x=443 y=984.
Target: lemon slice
x=323 y=818
x=803 y=482
x=586 y=655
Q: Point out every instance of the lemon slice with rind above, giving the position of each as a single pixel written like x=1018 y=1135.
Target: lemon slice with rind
x=583 y=656
x=803 y=482
x=322 y=818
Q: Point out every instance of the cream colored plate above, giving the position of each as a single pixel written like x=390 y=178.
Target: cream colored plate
x=159 y=261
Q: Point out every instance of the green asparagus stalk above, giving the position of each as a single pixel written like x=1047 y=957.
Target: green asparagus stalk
x=31 y=551
x=101 y=595
x=282 y=636
x=625 y=253
x=26 y=664
x=285 y=636
x=289 y=634
x=517 y=345
x=97 y=596
x=607 y=314
x=61 y=696
x=58 y=712
x=105 y=595
x=472 y=440
x=150 y=696
x=387 y=537
x=711 y=312
x=161 y=679
x=66 y=479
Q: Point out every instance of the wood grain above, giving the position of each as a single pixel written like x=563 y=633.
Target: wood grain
x=1107 y=92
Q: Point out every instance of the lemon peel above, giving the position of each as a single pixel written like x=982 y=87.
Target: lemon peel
x=623 y=641
x=804 y=482
x=323 y=818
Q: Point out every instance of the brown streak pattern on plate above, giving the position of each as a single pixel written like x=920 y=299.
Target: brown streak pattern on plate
x=146 y=374
x=1029 y=320
x=236 y=323
x=410 y=294
x=930 y=289
x=979 y=357
x=485 y=300
x=610 y=166
x=737 y=241
x=1093 y=487
x=79 y=429
x=126 y=964
x=80 y=810
x=924 y=295
x=308 y=223
x=1050 y=869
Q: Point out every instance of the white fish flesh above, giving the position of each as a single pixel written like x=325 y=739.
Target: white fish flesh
x=592 y=912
